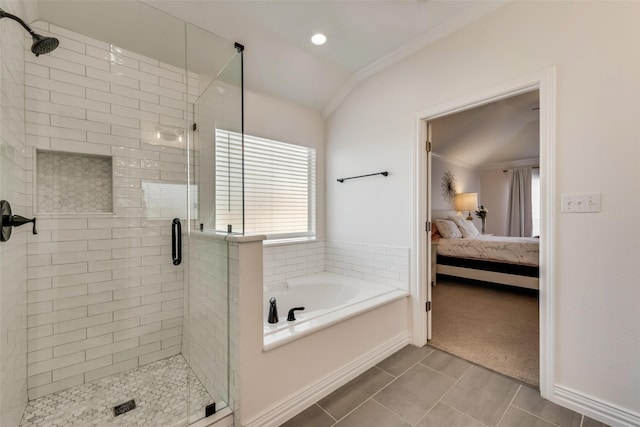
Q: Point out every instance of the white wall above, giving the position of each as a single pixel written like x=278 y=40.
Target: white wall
x=592 y=46
x=495 y=197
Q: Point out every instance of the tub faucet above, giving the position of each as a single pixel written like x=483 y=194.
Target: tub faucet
x=291 y=317
x=273 y=311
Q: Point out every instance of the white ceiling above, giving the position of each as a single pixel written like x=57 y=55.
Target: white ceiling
x=363 y=36
x=494 y=135
x=280 y=59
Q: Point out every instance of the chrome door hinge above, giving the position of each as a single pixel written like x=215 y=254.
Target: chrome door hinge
x=427 y=226
x=428 y=146
x=428 y=306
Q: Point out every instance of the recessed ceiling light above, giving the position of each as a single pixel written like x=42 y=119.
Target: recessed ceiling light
x=318 y=39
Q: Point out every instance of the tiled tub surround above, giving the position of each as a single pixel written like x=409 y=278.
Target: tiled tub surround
x=378 y=264
x=272 y=388
x=159 y=390
x=13 y=183
x=327 y=298
x=103 y=295
x=335 y=281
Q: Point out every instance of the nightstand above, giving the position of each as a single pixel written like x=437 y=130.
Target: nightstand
x=434 y=258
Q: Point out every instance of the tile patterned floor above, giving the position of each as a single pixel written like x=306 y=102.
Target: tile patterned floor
x=159 y=389
x=425 y=387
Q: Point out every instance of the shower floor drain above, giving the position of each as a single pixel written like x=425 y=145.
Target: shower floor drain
x=124 y=407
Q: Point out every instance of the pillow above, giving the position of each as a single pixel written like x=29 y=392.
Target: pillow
x=448 y=229
x=467 y=228
x=435 y=234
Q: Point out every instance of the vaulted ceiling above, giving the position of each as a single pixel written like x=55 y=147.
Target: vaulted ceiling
x=280 y=60
x=492 y=135
x=363 y=36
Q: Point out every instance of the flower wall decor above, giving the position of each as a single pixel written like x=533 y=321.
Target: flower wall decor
x=449 y=187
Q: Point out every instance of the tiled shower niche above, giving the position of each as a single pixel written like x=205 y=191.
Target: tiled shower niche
x=73 y=182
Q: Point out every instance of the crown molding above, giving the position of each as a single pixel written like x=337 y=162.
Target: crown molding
x=339 y=96
x=410 y=48
x=535 y=161
x=429 y=37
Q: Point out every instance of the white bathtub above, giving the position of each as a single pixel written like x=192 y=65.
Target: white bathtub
x=328 y=299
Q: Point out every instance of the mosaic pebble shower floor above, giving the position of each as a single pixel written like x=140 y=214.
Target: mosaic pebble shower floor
x=159 y=390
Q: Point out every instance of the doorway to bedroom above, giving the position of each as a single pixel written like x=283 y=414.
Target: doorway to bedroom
x=477 y=146
x=486 y=249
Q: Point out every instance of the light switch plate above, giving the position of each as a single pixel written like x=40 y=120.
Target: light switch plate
x=581 y=203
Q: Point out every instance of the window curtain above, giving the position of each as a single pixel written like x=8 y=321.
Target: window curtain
x=519 y=216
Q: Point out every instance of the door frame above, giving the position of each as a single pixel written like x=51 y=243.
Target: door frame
x=545 y=82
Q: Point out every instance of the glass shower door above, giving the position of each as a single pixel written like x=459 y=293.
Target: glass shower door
x=99 y=310
x=215 y=65
x=106 y=302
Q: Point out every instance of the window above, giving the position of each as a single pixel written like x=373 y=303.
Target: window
x=535 y=201
x=279 y=186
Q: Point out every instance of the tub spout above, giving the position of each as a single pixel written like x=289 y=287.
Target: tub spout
x=273 y=311
x=291 y=317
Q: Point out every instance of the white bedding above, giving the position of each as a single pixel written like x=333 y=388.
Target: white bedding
x=517 y=250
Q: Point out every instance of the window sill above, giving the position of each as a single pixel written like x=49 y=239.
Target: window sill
x=292 y=241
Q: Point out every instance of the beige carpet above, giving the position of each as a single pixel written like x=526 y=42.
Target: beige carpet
x=492 y=326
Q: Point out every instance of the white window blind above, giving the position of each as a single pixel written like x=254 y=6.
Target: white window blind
x=279 y=186
x=535 y=201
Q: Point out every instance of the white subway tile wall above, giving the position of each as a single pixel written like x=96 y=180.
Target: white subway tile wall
x=103 y=295
x=209 y=313
x=379 y=264
x=14 y=182
x=282 y=262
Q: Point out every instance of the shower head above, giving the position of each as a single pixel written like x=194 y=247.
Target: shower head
x=43 y=44
x=40 y=44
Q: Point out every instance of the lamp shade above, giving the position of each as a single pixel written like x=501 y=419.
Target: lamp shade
x=466 y=201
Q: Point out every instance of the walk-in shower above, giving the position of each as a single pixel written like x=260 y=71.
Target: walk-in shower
x=105 y=141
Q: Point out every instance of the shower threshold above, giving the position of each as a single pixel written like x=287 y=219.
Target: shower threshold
x=159 y=389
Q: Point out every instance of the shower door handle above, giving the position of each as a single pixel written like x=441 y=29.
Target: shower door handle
x=176 y=241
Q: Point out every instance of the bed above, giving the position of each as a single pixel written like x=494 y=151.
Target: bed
x=510 y=261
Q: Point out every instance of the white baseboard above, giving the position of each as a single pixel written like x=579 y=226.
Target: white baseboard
x=602 y=411
x=295 y=404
